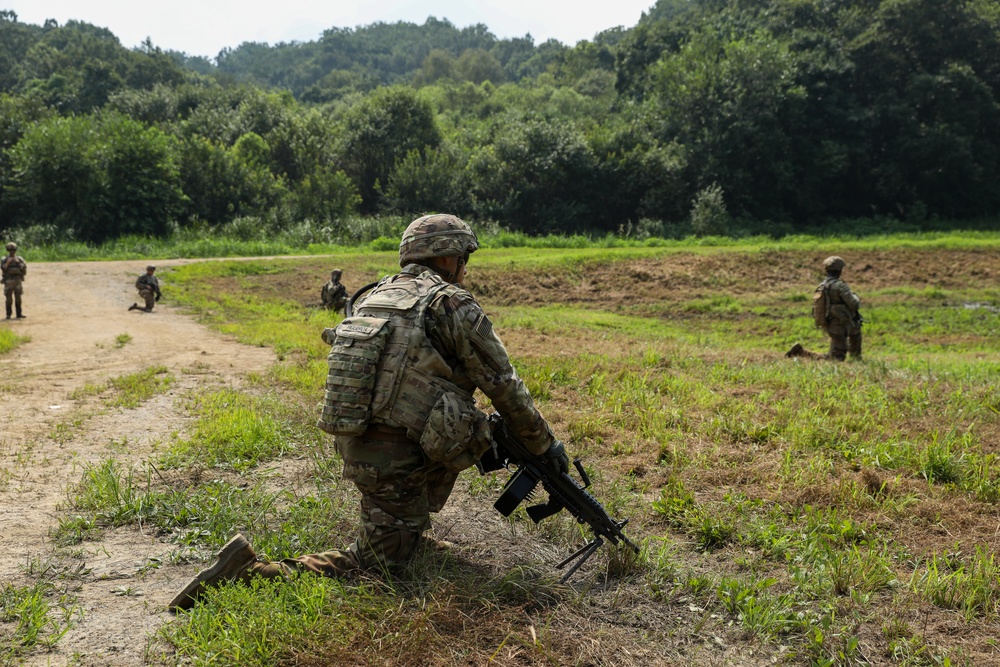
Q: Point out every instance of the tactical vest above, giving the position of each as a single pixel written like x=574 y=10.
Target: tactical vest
x=382 y=366
x=12 y=267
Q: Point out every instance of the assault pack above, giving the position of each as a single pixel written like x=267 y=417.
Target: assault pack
x=821 y=305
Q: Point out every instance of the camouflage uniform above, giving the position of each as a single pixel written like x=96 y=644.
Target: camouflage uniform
x=13 y=268
x=334 y=295
x=149 y=289
x=844 y=323
x=400 y=484
x=420 y=427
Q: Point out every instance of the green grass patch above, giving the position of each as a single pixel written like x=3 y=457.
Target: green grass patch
x=438 y=609
x=32 y=618
x=357 y=234
x=968 y=584
x=130 y=390
x=239 y=431
x=11 y=341
x=199 y=519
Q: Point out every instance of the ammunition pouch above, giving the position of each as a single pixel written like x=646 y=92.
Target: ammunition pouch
x=356 y=347
x=456 y=433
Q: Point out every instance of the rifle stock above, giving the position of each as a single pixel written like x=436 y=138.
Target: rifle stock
x=564 y=493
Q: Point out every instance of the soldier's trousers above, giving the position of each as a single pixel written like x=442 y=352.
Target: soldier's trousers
x=12 y=291
x=149 y=297
x=399 y=488
x=843 y=343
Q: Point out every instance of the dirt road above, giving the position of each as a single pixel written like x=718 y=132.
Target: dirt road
x=75 y=312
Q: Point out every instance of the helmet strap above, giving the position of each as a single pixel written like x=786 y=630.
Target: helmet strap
x=448 y=276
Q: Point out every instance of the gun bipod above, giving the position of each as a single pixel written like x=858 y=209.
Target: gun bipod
x=583 y=553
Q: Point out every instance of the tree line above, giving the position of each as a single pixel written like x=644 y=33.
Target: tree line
x=707 y=117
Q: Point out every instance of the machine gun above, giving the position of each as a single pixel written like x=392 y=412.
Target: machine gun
x=564 y=493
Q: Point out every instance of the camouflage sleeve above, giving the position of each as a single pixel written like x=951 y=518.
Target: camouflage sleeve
x=845 y=295
x=465 y=332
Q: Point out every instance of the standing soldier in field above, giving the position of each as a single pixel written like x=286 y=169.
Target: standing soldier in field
x=843 y=319
x=399 y=398
x=149 y=289
x=835 y=310
x=334 y=295
x=13 y=268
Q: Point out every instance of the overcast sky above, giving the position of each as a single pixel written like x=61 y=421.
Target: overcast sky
x=205 y=27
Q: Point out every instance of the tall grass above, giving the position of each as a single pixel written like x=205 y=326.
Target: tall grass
x=254 y=237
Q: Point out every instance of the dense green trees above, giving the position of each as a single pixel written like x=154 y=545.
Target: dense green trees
x=380 y=130
x=709 y=116
x=101 y=176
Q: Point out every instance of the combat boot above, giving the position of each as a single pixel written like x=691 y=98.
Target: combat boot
x=134 y=306
x=20 y=315
x=8 y=312
x=796 y=351
x=233 y=563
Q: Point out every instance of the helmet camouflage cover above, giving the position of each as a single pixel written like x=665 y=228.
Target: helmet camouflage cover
x=439 y=235
x=11 y=246
x=833 y=263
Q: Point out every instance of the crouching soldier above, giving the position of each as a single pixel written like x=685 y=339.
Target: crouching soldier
x=149 y=289
x=413 y=352
x=334 y=295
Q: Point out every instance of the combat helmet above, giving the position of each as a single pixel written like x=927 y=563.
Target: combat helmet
x=834 y=264
x=335 y=274
x=11 y=247
x=438 y=235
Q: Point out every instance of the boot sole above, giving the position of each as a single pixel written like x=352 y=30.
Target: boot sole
x=184 y=599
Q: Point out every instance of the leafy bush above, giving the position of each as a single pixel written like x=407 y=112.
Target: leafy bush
x=709 y=216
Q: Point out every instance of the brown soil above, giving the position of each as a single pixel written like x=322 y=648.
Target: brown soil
x=666 y=279
x=74 y=313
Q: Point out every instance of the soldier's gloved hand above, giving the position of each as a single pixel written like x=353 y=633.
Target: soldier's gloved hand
x=556 y=457
x=157 y=298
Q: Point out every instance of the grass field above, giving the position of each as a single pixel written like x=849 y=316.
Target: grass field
x=790 y=511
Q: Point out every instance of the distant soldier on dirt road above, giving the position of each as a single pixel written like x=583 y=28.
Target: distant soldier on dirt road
x=13 y=268
x=149 y=289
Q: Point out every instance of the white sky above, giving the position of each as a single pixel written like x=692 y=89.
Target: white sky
x=205 y=27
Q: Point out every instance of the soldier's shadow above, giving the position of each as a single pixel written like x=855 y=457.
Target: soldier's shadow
x=456 y=574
